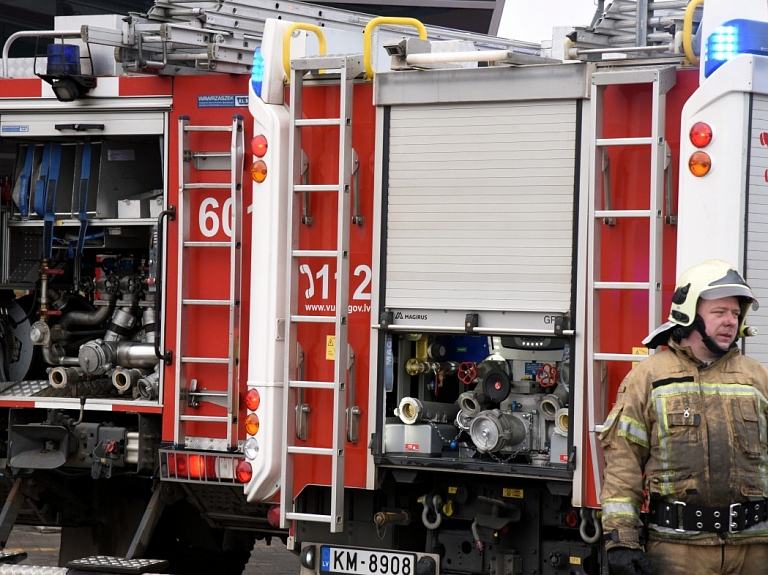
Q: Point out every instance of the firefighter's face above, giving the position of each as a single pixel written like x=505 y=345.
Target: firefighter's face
x=721 y=319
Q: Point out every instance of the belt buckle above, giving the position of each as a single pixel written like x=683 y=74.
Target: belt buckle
x=679 y=508
x=732 y=512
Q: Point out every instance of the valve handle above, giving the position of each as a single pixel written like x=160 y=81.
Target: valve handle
x=547 y=375
x=467 y=372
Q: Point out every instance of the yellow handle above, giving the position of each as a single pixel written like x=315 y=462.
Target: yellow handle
x=688 y=31
x=385 y=20
x=287 y=42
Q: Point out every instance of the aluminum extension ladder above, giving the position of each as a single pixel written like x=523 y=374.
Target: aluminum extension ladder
x=661 y=79
x=174 y=37
x=349 y=67
x=636 y=28
x=188 y=393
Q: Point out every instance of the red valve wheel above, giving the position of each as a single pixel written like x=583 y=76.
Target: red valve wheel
x=467 y=372
x=547 y=375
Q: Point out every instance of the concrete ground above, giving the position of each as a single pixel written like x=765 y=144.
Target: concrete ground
x=42 y=548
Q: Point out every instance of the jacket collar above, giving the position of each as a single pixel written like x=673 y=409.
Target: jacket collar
x=688 y=353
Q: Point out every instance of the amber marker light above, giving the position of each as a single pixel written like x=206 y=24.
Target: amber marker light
x=259 y=171
x=699 y=164
x=259 y=146
x=252 y=399
x=701 y=135
x=252 y=424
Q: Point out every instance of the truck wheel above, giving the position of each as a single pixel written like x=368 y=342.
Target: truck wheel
x=193 y=547
x=111 y=535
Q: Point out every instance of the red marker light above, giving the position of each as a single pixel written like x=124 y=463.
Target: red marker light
x=701 y=135
x=252 y=399
x=244 y=472
x=259 y=146
x=273 y=516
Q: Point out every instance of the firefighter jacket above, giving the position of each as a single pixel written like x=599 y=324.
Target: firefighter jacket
x=685 y=432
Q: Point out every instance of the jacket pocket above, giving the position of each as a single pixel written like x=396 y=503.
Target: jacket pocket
x=683 y=426
x=746 y=425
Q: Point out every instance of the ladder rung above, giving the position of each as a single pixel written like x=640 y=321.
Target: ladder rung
x=208 y=185
x=623 y=214
x=212 y=360
x=309 y=517
x=319 y=122
x=618 y=357
x=206 y=302
x=315 y=253
x=633 y=75
x=316 y=188
x=207 y=244
x=313 y=318
x=623 y=285
x=330 y=62
x=209 y=393
x=216 y=418
x=312 y=384
x=207 y=128
x=212 y=155
x=623 y=141
x=298 y=450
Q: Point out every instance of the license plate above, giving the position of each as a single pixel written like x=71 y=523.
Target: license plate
x=366 y=562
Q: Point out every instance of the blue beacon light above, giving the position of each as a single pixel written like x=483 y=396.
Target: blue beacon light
x=733 y=38
x=257 y=71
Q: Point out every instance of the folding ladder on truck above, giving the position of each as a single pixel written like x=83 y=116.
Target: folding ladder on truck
x=189 y=392
x=602 y=214
x=348 y=67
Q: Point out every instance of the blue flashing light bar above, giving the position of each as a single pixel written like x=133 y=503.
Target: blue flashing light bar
x=257 y=71
x=733 y=38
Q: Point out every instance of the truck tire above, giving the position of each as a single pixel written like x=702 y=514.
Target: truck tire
x=193 y=547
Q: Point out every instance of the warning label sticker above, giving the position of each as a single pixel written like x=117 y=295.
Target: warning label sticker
x=222 y=101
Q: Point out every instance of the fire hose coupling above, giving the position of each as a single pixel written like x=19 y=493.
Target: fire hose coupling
x=555 y=401
x=97 y=357
x=125 y=379
x=61 y=376
x=149 y=386
x=412 y=410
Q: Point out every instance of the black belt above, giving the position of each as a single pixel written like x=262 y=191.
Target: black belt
x=688 y=517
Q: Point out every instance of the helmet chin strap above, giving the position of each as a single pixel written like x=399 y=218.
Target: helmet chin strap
x=698 y=324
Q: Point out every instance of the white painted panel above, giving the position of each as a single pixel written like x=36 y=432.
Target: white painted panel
x=757 y=228
x=480 y=205
x=114 y=124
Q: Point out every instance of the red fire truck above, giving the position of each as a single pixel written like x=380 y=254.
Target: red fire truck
x=369 y=287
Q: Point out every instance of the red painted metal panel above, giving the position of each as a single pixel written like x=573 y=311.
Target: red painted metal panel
x=21 y=88
x=317 y=292
x=624 y=318
x=146 y=86
x=207 y=328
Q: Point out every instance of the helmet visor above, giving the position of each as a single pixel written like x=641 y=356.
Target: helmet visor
x=730 y=291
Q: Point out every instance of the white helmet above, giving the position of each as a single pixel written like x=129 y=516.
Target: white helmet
x=712 y=279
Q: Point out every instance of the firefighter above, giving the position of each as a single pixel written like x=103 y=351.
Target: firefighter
x=686 y=441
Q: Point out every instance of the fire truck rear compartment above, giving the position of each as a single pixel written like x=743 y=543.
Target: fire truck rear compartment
x=78 y=277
